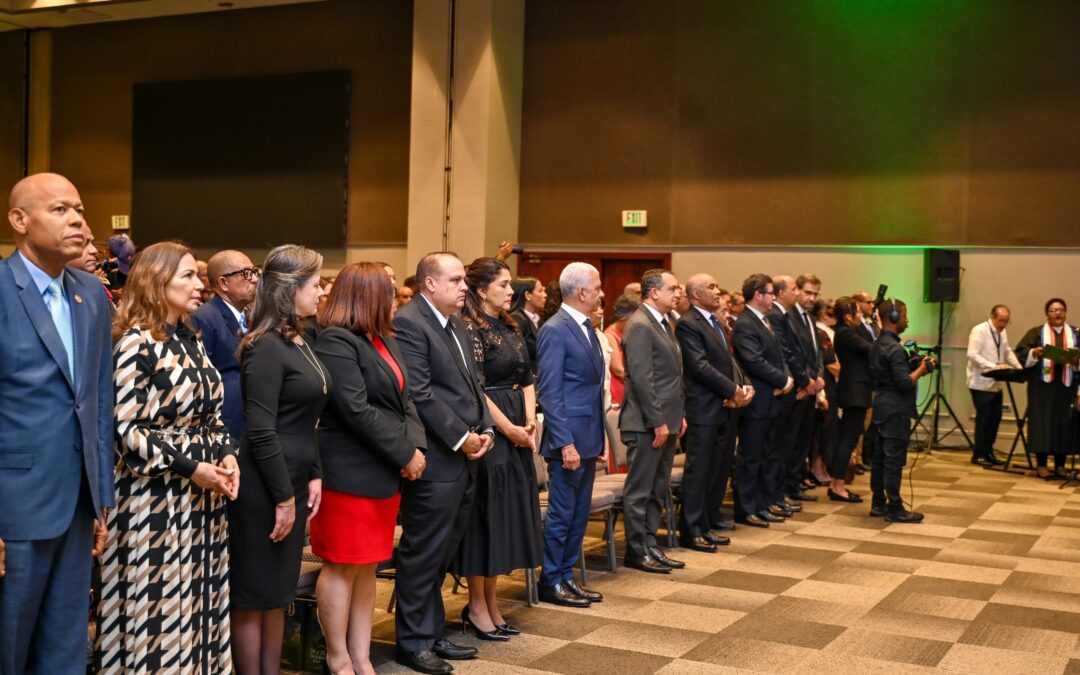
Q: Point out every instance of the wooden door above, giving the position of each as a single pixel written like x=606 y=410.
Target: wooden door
x=616 y=268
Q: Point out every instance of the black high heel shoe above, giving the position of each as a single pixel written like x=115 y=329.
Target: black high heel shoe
x=507 y=629
x=493 y=636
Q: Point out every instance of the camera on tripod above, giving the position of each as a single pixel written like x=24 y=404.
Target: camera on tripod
x=917 y=352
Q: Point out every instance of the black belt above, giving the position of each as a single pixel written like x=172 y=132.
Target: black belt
x=503 y=387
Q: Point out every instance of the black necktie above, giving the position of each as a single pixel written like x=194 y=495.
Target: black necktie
x=591 y=335
x=457 y=345
x=810 y=327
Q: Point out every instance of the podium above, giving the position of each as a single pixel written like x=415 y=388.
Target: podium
x=1009 y=376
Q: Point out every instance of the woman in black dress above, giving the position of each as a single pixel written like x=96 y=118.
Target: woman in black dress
x=1051 y=390
x=504 y=529
x=526 y=307
x=854 y=392
x=285 y=387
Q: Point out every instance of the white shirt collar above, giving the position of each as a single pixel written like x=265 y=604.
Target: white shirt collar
x=236 y=313
x=656 y=315
x=760 y=315
x=535 y=318
x=708 y=315
x=577 y=316
x=443 y=320
x=780 y=307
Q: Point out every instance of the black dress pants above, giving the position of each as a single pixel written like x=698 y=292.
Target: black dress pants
x=797 y=435
x=852 y=425
x=893 y=436
x=705 y=446
x=987 y=420
x=759 y=465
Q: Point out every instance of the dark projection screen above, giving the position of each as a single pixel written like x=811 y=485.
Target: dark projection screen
x=241 y=163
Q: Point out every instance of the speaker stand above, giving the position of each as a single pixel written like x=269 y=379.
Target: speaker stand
x=937 y=399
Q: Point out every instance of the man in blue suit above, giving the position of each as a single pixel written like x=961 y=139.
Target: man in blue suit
x=223 y=321
x=571 y=393
x=56 y=431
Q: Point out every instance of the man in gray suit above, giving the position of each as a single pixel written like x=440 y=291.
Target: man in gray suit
x=652 y=418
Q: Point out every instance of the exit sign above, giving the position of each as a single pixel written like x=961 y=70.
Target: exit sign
x=121 y=222
x=634 y=219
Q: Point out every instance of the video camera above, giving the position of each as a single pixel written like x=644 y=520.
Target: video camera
x=917 y=352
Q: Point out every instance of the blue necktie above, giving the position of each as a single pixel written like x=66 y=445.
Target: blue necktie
x=591 y=335
x=243 y=323
x=62 y=318
x=718 y=329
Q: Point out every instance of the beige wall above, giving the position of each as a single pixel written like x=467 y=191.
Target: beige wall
x=94 y=68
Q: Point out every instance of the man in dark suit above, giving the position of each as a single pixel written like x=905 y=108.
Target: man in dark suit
x=223 y=321
x=713 y=385
x=796 y=412
x=807 y=289
x=571 y=392
x=652 y=418
x=760 y=462
x=871 y=329
x=435 y=508
x=56 y=431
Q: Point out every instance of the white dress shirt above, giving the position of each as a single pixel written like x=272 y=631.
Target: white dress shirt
x=986 y=349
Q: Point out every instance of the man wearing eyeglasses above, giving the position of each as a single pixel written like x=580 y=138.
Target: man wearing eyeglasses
x=223 y=321
x=988 y=349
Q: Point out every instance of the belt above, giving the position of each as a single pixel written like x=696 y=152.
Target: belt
x=503 y=387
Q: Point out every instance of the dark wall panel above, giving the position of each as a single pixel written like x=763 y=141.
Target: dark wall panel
x=242 y=163
x=12 y=114
x=802 y=122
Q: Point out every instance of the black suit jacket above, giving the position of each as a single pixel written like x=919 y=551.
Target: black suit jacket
x=369 y=428
x=856 y=388
x=710 y=373
x=783 y=324
x=811 y=346
x=444 y=389
x=762 y=360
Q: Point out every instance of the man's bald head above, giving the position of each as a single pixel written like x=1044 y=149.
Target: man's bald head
x=703 y=291
x=223 y=262
x=46 y=217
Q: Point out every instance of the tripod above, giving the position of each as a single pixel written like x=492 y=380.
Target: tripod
x=937 y=399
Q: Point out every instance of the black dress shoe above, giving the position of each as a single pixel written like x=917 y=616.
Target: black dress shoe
x=591 y=596
x=645 y=564
x=802 y=497
x=716 y=539
x=769 y=518
x=753 y=520
x=877 y=511
x=849 y=498
x=452 y=652
x=559 y=594
x=662 y=558
x=490 y=635
x=786 y=503
x=863 y=468
x=903 y=516
x=423 y=662
x=780 y=511
x=724 y=526
x=507 y=629
x=697 y=544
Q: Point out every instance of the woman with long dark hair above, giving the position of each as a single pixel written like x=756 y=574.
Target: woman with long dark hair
x=285 y=386
x=504 y=529
x=369 y=438
x=526 y=307
x=854 y=393
x=165 y=607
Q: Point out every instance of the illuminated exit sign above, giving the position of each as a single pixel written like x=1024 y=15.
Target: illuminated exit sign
x=634 y=219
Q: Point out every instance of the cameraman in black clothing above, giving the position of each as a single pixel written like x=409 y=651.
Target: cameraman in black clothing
x=895 y=381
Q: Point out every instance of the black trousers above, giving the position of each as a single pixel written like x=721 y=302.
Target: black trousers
x=725 y=471
x=987 y=421
x=852 y=425
x=434 y=516
x=797 y=435
x=759 y=466
x=705 y=445
x=893 y=435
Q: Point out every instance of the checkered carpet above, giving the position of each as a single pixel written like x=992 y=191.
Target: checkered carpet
x=990 y=583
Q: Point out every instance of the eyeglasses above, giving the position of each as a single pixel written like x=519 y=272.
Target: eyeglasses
x=1056 y=310
x=248 y=272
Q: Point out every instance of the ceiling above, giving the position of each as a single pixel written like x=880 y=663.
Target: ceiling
x=19 y=14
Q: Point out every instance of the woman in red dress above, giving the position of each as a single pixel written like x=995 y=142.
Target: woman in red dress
x=369 y=438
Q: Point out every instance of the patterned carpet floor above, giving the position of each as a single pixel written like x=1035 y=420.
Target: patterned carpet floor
x=989 y=583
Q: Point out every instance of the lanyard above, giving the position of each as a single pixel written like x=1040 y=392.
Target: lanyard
x=997 y=340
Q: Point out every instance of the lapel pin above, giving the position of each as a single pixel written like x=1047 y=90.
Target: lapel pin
x=78 y=298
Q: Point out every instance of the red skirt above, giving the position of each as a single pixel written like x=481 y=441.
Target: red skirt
x=353 y=530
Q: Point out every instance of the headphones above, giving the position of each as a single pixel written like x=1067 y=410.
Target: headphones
x=894 y=311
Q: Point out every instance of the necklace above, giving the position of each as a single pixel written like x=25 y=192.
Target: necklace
x=313 y=360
